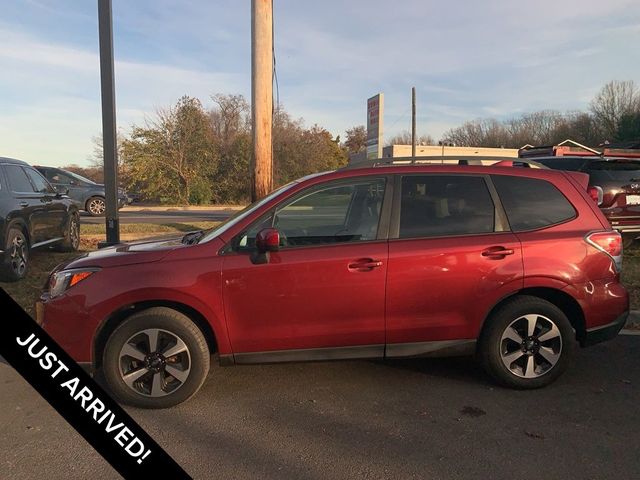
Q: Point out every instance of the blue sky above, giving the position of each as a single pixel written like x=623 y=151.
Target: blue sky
x=467 y=59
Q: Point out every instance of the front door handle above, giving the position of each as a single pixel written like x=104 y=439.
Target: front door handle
x=364 y=265
x=497 y=252
x=24 y=204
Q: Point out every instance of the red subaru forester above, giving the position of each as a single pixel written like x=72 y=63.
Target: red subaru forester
x=515 y=265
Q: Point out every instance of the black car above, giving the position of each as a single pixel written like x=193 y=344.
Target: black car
x=87 y=194
x=32 y=214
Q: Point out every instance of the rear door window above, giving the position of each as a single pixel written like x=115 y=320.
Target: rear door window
x=18 y=180
x=41 y=185
x=443 y=205
x=531 y=203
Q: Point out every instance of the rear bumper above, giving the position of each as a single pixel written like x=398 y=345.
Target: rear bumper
x=604 y=332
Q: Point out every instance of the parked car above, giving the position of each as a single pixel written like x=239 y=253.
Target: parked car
x=515 y=265
x=87 y=194
x=614 y=184
x=32 y=215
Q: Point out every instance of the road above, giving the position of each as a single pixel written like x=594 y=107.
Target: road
x=174 y=216
x=429 y=418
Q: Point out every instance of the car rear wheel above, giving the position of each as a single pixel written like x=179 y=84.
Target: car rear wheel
x=16 y=256
x=527 y=343
x=96 y=206
x=156 y=358
x=71 y=241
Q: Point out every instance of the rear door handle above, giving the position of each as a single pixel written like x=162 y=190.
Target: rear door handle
x=497 y=252
x=364 y=265
x=24 y=204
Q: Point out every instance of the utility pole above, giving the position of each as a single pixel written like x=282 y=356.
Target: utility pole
x=262 y=95
x=109 y=141
x=413 y=122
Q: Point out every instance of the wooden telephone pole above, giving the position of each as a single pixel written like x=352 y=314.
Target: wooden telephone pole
x=262 y=95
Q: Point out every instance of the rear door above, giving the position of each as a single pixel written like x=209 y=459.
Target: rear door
x=55 y=209
x=451 y=258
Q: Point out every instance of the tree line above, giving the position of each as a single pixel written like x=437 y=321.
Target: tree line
x=187 y=154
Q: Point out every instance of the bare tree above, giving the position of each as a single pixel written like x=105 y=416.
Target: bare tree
x=404 y=138
x=614 y=101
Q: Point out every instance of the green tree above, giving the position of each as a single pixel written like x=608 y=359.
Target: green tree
x=168 y=158
x=356 y=139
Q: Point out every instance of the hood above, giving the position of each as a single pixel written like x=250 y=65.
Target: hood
x=128 y=253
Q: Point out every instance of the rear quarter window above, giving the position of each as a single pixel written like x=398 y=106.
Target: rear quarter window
x=532 y=203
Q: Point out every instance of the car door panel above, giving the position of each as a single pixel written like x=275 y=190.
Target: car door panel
x=325 y=287
x=442 y=289
x=305 y=298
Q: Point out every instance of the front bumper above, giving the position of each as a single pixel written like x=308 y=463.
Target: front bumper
x=604 y=332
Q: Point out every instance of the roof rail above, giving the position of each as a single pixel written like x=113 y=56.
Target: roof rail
x=441 y=160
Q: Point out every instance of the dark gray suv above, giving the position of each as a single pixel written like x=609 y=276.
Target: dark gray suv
x=86 y=194
x=32 y=214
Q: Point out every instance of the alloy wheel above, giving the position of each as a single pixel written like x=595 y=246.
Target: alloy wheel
x=154 y=362
x=97 y=206
x=74 y=232
x=531 y=346
x=18 y=255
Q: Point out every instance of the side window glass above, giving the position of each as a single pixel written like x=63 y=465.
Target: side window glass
x=338 y=213
x=442 y=205
x=40 y=184
x=18 y=180
x=532 y=203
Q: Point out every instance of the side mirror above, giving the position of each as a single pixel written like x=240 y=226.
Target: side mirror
x=268 y=240
x=62 y=190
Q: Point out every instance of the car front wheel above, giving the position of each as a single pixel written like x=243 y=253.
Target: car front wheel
x=156 y=358
x=16 y=256
x=527 y=343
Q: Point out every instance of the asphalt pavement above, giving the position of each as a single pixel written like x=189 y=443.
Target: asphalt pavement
x=426 y=419
x=169 y=216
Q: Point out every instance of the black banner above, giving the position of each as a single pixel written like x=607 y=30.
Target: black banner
x=79 y=399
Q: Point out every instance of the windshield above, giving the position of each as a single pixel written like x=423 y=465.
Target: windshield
x=79 y=177
x=235 y=218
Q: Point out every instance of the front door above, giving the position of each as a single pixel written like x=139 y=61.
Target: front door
x=452 y=258
x=33 y=207
x=322 y=294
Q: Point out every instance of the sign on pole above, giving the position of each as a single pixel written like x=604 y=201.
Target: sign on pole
x=375 y=113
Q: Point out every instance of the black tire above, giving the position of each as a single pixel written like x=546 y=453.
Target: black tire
x=495 y=351
x=16 y=256
x=95 y=206
x=71 y=241
x=193 y=365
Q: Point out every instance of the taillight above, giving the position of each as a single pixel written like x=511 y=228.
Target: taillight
x=596 y=193
x=609 y=243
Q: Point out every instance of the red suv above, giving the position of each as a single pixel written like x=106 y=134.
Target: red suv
x=514 y=265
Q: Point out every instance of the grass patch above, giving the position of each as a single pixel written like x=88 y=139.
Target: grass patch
x=99 y=229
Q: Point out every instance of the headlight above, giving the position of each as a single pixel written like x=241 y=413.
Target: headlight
x=63 y=280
